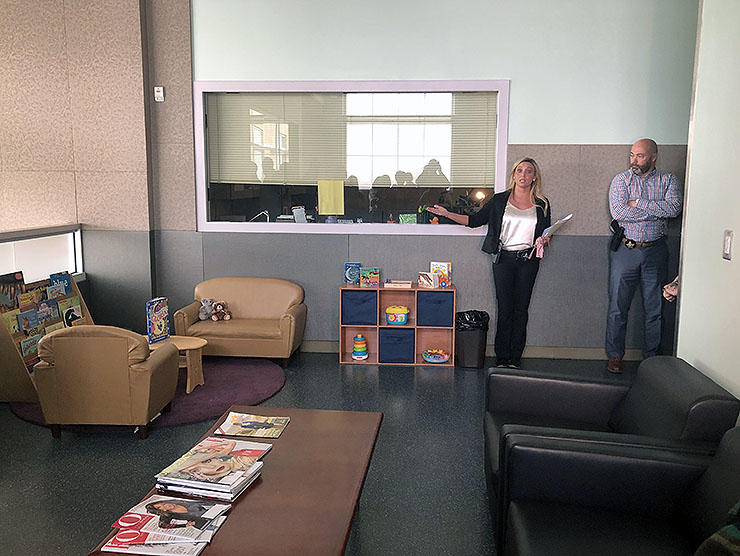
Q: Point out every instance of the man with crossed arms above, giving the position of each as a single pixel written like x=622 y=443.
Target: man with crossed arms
x=640 y=199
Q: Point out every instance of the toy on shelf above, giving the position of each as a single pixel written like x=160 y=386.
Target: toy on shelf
x=397 y=314
x=359 y=347
x=435 y=356
x=398 y=284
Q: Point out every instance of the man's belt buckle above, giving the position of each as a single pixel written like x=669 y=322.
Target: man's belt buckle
x=630 y=244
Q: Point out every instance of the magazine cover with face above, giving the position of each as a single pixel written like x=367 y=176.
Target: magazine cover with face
x=167 y=515
x=221 y=463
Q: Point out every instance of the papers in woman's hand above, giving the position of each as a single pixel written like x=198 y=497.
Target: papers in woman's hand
x=554 y=228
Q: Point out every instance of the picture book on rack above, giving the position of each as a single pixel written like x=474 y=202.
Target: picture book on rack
x=70 y=310
x=244 y=424
x=11 y=285
x=62 y=278
x=157 y=319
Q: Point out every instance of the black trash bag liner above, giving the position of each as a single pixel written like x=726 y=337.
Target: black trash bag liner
x=471 y=320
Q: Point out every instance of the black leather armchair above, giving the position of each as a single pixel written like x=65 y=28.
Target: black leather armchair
x=669 y=404
x=580 y=498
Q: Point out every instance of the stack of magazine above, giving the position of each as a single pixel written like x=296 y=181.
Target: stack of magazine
x=216 y=468
x=162 y=525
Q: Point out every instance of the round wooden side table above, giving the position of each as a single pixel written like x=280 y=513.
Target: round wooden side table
x=191 y=349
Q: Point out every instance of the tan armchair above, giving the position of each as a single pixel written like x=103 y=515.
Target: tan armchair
x=268 y=317
x=103 y=375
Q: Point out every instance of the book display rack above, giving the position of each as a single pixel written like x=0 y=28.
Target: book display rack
x=15 y=379
x=428 y=327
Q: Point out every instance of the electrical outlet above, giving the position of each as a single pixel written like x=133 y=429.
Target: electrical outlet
x=158 y=94
x=727 y=245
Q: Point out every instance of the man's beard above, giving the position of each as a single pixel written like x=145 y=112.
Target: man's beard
x=640 y=170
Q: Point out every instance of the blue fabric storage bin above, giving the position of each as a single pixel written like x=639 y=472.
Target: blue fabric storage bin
x=434 y=308
x=359 y=307
x=395 y=346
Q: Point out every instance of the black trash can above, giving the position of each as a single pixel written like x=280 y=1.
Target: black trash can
x=471 y=329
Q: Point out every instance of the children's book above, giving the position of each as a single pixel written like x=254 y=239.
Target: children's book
x=53 y=326
x=11 y=321
x=175 y=517
x=28 y=319
x=28 y=297
x=428 y=280
x=70 y=310
x=11 y=285
x=245 y=424
x=55 y=291
x=62 y=278
x=157 y=319
x=30 y=347
x=369 y=277
x=352 y=273
x=445 y=272
x=39 y=289
x=48 y=310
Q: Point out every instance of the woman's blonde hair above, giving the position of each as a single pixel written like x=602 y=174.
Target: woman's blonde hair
x=535 y=191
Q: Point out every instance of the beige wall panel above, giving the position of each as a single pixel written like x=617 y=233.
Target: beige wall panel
x=36 y=200
x=559 y=165
x=113 y=200
x=106 y=83
x=36 y=130
x=173 y=187
x=599 y=164
x=168 y=37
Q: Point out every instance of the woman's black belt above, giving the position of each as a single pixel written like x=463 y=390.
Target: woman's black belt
x=523 y=254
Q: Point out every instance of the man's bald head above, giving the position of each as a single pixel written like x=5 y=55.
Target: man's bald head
x=643 y=155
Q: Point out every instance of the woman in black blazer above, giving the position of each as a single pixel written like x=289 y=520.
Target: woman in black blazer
x=516 y=219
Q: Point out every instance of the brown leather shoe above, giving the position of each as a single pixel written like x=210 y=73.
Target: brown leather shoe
x=614 y=365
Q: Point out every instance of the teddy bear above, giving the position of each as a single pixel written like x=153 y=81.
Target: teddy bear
x=220 y=312
x=206 y=308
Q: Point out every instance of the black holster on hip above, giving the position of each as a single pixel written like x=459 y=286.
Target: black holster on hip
x=617 y=235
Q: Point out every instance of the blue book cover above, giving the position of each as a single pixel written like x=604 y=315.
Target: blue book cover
x=62 y=278
x=352 y=273
x=28 y=319
x=157 y=319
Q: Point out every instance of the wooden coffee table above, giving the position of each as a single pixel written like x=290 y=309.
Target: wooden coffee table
x=311 y=481
x=192 y=360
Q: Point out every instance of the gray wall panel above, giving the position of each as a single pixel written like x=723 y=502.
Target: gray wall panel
x=179 y=266
x=568 y=305
x=315 y=262
x=117 y=266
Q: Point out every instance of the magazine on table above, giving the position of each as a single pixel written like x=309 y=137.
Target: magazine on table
x=223 y=496
x=246 y=424
x=216 y=464
x=123 y=542
x=172 y=517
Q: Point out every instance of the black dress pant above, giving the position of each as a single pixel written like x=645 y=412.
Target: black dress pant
x=514 y=278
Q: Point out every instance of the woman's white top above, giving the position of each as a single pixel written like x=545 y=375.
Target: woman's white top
x=517 y=229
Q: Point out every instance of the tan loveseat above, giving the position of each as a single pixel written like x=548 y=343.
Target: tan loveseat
x=268 y=317
x=103 y=375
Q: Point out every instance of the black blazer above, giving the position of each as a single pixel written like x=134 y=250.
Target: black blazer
x=492 y=213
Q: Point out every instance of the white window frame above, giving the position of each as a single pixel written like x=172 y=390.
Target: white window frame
x=74 y=256
x=200 y=88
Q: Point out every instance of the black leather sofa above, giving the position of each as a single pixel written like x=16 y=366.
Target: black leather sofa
x=668 y=405
x=606 y=499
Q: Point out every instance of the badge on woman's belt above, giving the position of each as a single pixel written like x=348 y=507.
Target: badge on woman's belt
x=630 y=244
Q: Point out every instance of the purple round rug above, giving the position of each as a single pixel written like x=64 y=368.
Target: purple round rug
x=228 y=381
